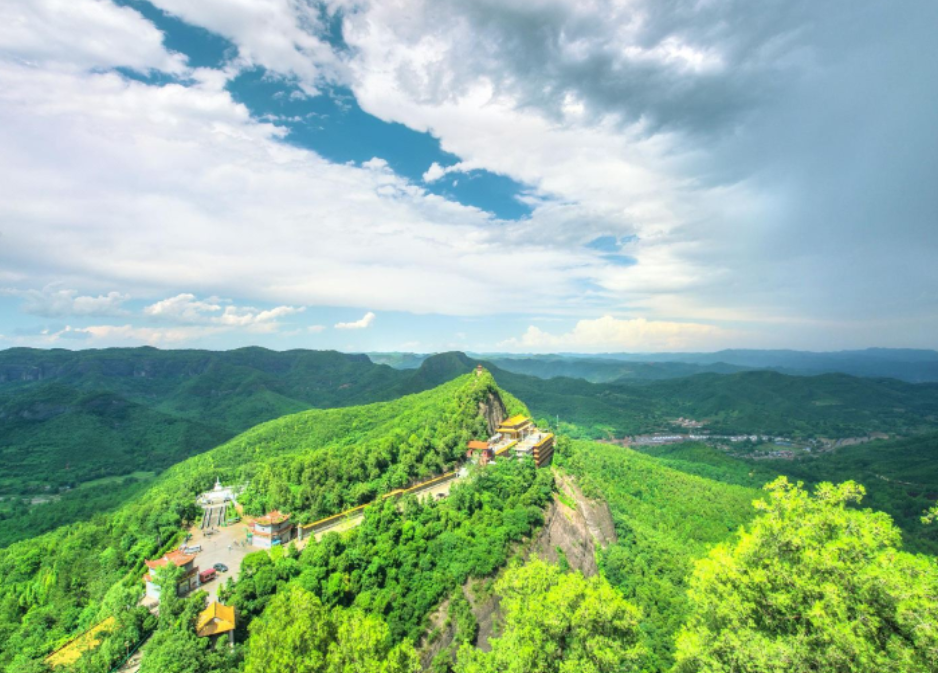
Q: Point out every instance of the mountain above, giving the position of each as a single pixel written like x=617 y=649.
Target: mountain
x=912 y=365
x=415 y=574
x=67 y=580
x=79 y=430
x=608 y=370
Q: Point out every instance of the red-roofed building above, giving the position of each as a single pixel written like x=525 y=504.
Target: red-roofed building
x=272 y=529
x=189 y=580
x=482 y=451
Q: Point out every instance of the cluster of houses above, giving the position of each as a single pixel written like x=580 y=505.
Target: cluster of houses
x=518 y=434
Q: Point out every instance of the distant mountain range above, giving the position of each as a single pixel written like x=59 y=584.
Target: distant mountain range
x=912 y=365
x=86 y=428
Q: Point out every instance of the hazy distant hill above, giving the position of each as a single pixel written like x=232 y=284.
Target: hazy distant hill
x=606 y=370
x=906 y=364
x=832 y=405
x=912 y=365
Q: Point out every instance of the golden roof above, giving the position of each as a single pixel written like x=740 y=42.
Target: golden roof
x=515 y=420
x=215 y=619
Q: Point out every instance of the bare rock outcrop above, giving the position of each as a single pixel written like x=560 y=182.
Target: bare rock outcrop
x=574 y=527
x=493 y=409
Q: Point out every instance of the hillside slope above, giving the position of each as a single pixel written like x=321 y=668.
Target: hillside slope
x=312 y=462
x=97 y=419
x=664 y=519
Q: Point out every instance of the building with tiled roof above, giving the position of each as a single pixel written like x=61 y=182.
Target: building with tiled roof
x=180 y=559
x=215 y=620
x=270 y=530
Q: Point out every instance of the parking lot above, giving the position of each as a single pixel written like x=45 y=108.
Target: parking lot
x=224 y=544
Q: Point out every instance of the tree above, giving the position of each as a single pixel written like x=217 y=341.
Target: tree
x=298 y=634
x=559 y=622
x=931 y=515
x=814 y=585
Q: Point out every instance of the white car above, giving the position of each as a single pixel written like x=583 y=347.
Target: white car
x=193 y=550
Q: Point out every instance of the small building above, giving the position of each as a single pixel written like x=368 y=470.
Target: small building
x=480 y=451
x=216 y=620
x=218 y=495
x=479 y=370
x=538 y=445
x=544 y=450
x=270 y=530
x=180 y=559
x=516 y=427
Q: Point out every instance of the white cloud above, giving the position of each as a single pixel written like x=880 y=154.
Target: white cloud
x=284 y=36
x=82 y=34
x=680 y=128
x=131 y=334
x=50 y=302
x=186 y=308
x=209 y=197
x=365 y=321
x=607 y=334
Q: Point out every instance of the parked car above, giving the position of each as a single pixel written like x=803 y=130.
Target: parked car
x=207 y=575
x=221 y=567
x=194 y=549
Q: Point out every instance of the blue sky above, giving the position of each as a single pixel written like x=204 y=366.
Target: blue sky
x=506 y=176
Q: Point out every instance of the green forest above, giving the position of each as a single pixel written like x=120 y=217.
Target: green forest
x=81 y=430
x=685 y=586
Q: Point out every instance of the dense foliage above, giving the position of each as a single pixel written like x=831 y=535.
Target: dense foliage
x=900 y=475
x=298 y=634
x=404 y=559
x=556 y=622
x=831 y=405
x=812 y=586
x=69 y=418
x=59 y=583
x=665 y=519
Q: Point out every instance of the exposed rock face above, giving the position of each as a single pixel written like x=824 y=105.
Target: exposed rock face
x=494 y=411
x=576 y=532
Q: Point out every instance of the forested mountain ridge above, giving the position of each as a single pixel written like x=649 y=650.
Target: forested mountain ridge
x=103 y=423
x=64 y=581
x=82 y=430
x=910 y=365
x=360 y=600
x=831 y=405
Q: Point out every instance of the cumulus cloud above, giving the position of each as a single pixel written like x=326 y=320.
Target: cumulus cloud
x=741 y=154
x=186 y=308
x=615 y=334
x=365 y=321
x=50 y=302
x=82 y=34
x=285 y=36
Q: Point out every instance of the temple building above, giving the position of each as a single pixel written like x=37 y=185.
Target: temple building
x=543 y=450
x=270 y=530
x=216 y=620
x=516 y=427
x=481 y=452
x=189 y=580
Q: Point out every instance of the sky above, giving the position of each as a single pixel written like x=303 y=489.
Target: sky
x=485 y=175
